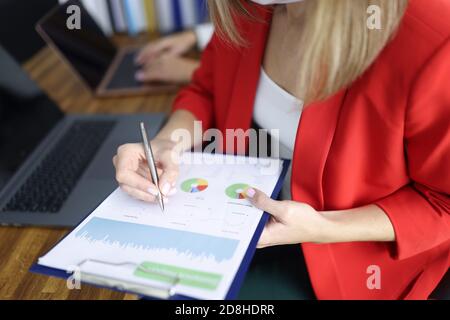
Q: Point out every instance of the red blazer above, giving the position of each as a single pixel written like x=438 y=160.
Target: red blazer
x=385 y=140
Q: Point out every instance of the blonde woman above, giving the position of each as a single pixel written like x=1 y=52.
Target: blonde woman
x=364 y=114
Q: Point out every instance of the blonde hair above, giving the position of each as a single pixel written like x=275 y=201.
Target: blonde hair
x=338 y=44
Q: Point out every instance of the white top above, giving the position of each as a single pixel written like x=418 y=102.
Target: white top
x=204 y=33
x=275 y=108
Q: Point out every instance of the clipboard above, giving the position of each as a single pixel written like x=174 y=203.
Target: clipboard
x=166 y=292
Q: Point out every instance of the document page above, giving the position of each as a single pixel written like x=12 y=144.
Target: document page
x=200 y=239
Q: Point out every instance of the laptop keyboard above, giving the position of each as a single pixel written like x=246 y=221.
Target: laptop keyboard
x=50 y=184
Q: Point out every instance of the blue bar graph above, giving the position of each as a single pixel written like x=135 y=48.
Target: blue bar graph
x=146 y=237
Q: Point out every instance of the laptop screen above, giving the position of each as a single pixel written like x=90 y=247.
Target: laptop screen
x=87 y=49
x=26 y=116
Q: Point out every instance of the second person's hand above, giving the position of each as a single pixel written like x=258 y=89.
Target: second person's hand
x=173 y=45
x=168 y=68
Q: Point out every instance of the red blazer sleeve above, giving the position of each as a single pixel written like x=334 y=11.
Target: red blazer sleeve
x=420 y=212
x=197 y=97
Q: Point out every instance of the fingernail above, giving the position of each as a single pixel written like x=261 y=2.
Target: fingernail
x=139 y=75
x=137 y=60
x=152 y=191
x=166 y=188
x=250 y=192
x=173 y=192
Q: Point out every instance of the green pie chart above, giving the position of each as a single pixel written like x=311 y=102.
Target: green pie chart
x=237 y=191
x=195 y=185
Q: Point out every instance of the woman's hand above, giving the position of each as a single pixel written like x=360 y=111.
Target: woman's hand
x=162 y=60
x=168 y=68
x=133 y=174
x=290 y=222
x=174 y=45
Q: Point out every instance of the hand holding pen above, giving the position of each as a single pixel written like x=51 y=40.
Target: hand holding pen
x=133 y=172
x=152 y=165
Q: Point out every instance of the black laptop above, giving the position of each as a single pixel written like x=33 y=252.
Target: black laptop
x=55 y=168
x=105 y=68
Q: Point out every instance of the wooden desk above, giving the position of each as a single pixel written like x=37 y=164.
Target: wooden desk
x=21 y=247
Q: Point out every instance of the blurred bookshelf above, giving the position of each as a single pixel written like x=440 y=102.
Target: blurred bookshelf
x=136 y=17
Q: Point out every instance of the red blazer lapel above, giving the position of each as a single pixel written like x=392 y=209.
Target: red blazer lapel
x=241 y=107
x=313 y=143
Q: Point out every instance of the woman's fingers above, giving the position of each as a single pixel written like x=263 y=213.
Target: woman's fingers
x=136 y=181
x=145 y=172
x=168 y=69
x=127 y=163
x=151 y=51
x=133 y=174
x=168 y=178
x=167 y=169
x=272 y=234
x=149 y=74
x=174 y=45
x=261 y=201
x=138 y=194
x=273 y=229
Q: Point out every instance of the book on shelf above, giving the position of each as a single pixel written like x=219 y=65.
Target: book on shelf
x=117 y=16
x=136 y=16
x=152 y=19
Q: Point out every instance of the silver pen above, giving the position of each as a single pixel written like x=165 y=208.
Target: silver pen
x=151 y=164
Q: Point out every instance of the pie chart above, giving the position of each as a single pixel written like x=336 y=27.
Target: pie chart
x=237 y=191
x=195 y=185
